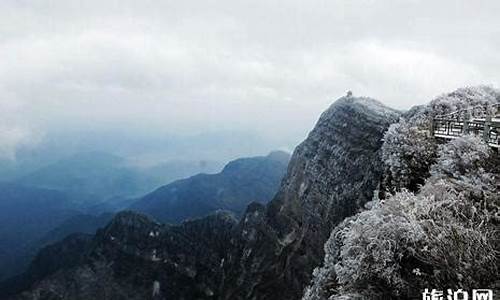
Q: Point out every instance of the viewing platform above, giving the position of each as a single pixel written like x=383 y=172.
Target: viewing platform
x=483 y=121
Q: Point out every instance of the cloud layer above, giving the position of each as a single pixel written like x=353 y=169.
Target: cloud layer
x=264 y=66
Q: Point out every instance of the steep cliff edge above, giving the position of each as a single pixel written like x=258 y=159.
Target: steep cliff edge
x=332 y=174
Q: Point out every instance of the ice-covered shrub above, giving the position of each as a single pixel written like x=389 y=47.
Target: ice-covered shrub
x=446 y=235
x=471 y=168
x=463 y=98
x=374 y=244
x=464 y=157
x=408 y=152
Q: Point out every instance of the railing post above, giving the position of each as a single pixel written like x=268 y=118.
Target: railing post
x=465 y=128
x=487 y=126
x=432 y=126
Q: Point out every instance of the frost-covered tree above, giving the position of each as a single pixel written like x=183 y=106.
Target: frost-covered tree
x=408 y=152
x=471 y=167
x=445 y=236
x=374 y=244
x=461 y=157
x=464 y=98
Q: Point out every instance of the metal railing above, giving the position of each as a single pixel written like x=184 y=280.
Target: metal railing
x=483 y=121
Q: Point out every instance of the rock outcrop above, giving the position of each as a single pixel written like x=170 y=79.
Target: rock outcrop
x=331 y=175
x=135 y=258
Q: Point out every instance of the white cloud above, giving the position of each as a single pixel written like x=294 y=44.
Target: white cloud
x=267 y=66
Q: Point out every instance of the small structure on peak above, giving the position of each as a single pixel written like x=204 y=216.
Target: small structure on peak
x=349 y=93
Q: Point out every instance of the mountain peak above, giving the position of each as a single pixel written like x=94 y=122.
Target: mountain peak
x=331 y=175
x=365 y=105
x=280 y=156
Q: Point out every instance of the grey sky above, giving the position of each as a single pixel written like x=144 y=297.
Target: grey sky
x=264 y=66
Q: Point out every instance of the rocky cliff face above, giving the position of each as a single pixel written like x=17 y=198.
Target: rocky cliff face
x=134 y=257
x=269 y=254
x=332 y=174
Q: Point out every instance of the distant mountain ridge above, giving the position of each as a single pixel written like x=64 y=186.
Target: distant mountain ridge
x=269 y=254
x=26 y=214
x=61 y=198
x=33 y=217
x=90 y=176
x=240 y=182
x=97 y=179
